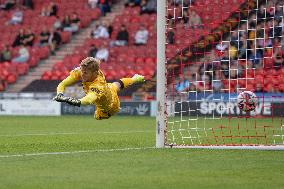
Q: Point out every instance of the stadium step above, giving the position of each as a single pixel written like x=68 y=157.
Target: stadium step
x=66 y=49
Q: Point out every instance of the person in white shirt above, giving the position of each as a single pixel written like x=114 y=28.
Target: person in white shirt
x=100 y=31
x=23 y=57
x=17 y=17
x=141 y=36
x=103 y=53
x=93 y=3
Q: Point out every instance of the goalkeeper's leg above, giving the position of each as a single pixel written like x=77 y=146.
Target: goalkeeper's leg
x=125 y=82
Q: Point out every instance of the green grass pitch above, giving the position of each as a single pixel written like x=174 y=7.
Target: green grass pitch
x=92 y=158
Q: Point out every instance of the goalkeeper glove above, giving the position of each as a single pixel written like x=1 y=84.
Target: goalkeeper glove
x=73 y=101
x=59 y=97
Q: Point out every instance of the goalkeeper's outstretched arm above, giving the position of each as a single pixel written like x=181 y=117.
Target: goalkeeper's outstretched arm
x=66 y=82
x=61 y=88
x=90 y=98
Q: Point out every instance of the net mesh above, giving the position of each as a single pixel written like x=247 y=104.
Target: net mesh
x=214 y=50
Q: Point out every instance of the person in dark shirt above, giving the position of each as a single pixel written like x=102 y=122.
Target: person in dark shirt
x=123 y=34
x=132 y=3
x=6 y=54
x=75 y=23
x=29 y=38
x=19 y=40
x=121 y=38
x=93 y=50
x=54 y=40
x=75 y=19
x=9 y=4
x=43 y=37
x=28 y=3
x=109 y=29
x=148 y=7
x=66 y=23
x=104 y=6
x=53 y=9
x=171 y=37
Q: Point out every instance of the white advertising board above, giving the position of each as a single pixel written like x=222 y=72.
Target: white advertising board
x=29 y=107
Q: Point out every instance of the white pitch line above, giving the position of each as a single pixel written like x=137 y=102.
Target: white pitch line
x=73 y=152
x=73 y=133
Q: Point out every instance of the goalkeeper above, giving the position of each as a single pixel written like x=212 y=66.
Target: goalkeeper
x=98 y=91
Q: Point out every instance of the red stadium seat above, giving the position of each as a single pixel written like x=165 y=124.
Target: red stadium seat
x=22 y=69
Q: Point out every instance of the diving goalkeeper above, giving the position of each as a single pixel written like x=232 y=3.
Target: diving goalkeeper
x=98 y=91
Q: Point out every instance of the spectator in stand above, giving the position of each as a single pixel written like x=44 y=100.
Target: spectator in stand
x=278 y=57
x=52 y=9
x=255 y=55
x=17 y=17
x=19 y=40
x=54 y=40
x=185 y=17
x=233 y=52
x=23 y=55
x=121 y=38
x=66 y=24
x=101 y=31
x=29 y=38
x=194 y=20
x=28 y=4
x=132 y=3
x=109 y=28
x=242 y=48
x=171 y=37
x=141 y=36
x=234 y=39
x=277 y=28
x=57 y=24
x=225 y=64
x=104 y=6
x=261 y=14
x=279 y=12
x=270 y=10
x=44 y=12
x=93 y=3
x=182 y=84
x=8 y=5
x=217 y=84
x=44 y=36
x=93 y=50
x=282 y=41
x=5 y=54
x=75 y=23
x=103 y=53
x=260 y=35
x=148 y=7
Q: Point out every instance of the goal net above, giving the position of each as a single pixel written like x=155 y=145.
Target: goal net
x=215 y=49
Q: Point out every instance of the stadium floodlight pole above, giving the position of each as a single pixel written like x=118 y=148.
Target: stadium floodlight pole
x=161 y=74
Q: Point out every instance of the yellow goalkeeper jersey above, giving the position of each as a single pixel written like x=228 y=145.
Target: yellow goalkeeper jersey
x=97 y=92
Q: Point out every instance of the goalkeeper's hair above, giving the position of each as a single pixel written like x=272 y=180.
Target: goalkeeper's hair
x=90 y=63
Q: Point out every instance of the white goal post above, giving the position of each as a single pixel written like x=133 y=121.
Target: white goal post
x=161 y=73
x=204 y=117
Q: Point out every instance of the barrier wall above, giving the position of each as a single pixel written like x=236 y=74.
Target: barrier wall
x=29 y=107
x=203 y=108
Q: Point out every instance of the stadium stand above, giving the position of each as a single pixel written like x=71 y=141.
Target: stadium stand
x=253 y=49
x=35 y=21
x=133 y=58
x=187 y=30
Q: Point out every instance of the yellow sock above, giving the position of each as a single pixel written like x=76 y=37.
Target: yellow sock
x=127 y=81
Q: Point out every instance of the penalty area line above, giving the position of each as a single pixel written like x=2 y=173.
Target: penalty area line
x=74 y=152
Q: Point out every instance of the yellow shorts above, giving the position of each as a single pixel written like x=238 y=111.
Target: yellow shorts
x=99 y=114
